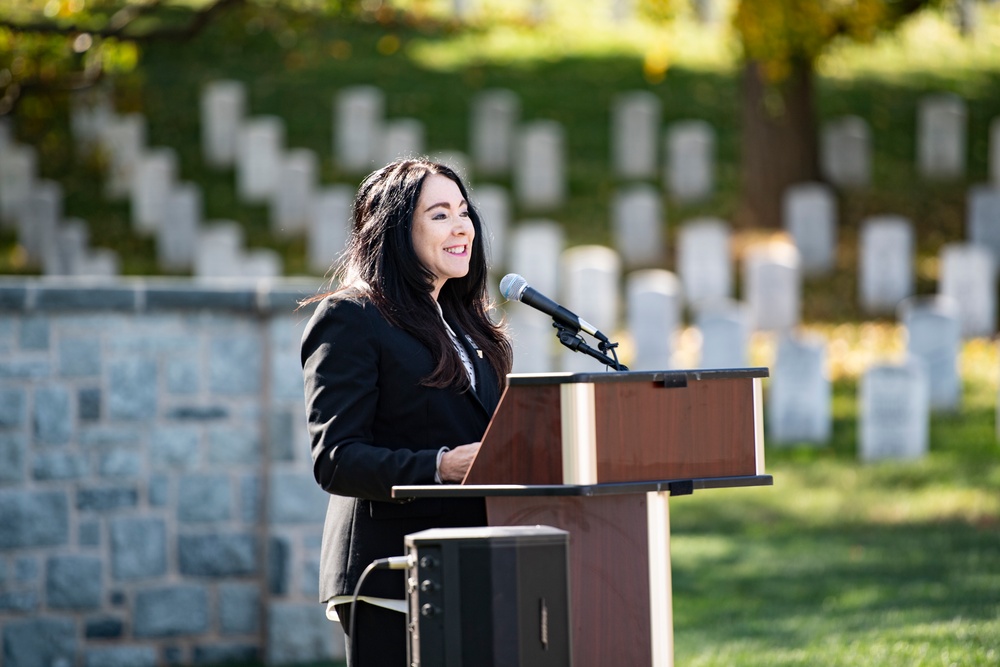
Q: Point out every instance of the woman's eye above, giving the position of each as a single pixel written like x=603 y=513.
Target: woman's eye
x=464 y=214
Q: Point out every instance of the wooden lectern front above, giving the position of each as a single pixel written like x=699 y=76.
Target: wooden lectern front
x=598 y=455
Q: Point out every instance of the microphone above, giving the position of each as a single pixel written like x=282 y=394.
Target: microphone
x=515 y=288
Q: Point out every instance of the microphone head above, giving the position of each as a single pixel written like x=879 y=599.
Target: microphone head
x=511 y=286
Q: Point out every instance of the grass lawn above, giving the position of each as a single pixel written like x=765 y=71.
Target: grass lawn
x=839 y=563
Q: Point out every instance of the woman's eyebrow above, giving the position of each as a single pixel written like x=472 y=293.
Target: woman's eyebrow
x=445 y=204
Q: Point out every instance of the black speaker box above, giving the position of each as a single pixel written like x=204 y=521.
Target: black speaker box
x=488 y=597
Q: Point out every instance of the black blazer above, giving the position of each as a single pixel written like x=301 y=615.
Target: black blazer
x=372 y=426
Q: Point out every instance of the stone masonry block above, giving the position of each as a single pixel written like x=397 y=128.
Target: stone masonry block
x=33 y=519
x=132 y=389
x=204 y=498
x=174 y=447
x=79 y=357
x=220 y=654
x=73 y=582
x=53 y=417
x=295 y=498
x=234 y=365
x=106 y=499
x=183 y=376
x=104 y=627
x=88 y=402
x=138 y=548
x=297 y=634
x=121 y=463
x=52 y=465
x=171 y=611
x=34 y=333
x=234 y=445
x=217 y=555
x=120 y=656
x=32 y=642
x=239 y=609
x=12 y=454
x=13 y=402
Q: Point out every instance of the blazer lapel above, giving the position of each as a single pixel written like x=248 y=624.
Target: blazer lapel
x=485 y=393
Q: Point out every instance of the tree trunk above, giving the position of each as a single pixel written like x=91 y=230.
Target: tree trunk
x=779 y=142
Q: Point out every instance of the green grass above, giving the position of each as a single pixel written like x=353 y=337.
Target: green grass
x=838 y=563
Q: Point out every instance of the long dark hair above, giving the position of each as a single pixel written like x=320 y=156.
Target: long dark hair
x=381 y=263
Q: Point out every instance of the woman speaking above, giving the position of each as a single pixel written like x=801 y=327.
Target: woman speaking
x=403 y=370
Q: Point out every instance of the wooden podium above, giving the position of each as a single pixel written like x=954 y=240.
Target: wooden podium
x=598 y=455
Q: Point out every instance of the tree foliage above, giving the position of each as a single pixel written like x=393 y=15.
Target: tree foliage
x=72 y=44
x=779 y=34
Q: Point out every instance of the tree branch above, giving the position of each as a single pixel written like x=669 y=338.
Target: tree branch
x=121 y=20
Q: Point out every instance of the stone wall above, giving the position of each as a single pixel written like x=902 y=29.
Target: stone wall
x=157 y=505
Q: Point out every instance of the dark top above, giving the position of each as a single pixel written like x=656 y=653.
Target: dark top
x=372 y=426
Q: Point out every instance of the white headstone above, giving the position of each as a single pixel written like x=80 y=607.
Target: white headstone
x=635 y=129
x=941 y=129
x=653 y=313
x=703 y=261
x=934 y=335
x=982 y=222
x=329 y=227
x=772 y=285
x=219 y=251
x=534 y=250
x=725 y=334
x=67 y=256
x=967 y=276
x=177 y=234
x=495 y=117
x=91 y=111
x=690 y=169
x=893 y=412
x=846 y=152
x=799 y=397
x=259 y=157
x=540 y=171
x=156 y=175
x=995 y=152
x=358 y=121
x=125 y=140
x=401 y=138
x=18 y=170
x=40 y=218
x=809 y=213
x=101 y=263
x=261 y=263
x=493 y=204
x=223 y=109
x=638 y=225
x=591 y=277
x=297 y=181
x=885 y=266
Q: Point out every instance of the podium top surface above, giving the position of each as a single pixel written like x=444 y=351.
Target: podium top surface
x=677 y=377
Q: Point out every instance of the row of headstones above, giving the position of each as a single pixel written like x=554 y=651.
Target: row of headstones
x=500 y=143
x=941 y=144
x=885 y=268
x=896 y=398
x=160 y=204
x=33 y=207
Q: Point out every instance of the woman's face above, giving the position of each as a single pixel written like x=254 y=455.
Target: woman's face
x=442 y=230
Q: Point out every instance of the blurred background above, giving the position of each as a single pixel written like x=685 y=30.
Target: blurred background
x=807 y=185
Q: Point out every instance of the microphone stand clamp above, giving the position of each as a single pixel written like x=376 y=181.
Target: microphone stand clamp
x=571 y=339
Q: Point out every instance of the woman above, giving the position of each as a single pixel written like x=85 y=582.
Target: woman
x=403 y=370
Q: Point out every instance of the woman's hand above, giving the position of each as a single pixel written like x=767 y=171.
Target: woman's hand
x=455 y=462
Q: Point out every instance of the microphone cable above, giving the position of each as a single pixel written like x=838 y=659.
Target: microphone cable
x=392 y=563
